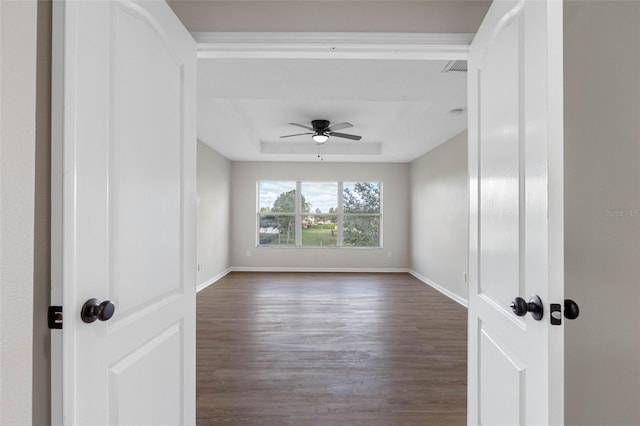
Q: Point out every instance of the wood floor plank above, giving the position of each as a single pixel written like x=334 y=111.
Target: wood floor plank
x=329 y=349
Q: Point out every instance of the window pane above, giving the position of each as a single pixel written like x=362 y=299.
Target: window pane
x=361 y=197
x=320 y=230
x=320 y=197
x=277 y=230
x=276 y=196
x=361 y=231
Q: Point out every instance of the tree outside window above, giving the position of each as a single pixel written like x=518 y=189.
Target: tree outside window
x=361 y=226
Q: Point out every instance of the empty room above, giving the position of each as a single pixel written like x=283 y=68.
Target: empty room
x=332 y=199
x=321 y=317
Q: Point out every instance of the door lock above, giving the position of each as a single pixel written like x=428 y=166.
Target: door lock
x=520 y=307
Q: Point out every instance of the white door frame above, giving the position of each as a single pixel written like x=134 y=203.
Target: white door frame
x=309 y=45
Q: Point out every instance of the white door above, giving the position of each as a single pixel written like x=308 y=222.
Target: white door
x=516 y=215
x=124 y=213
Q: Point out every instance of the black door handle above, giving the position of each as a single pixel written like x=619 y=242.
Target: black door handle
x=93 y=310
x=571 y=309
x=520 y=307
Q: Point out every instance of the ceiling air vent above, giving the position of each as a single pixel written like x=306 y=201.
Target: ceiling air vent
x=455 y=66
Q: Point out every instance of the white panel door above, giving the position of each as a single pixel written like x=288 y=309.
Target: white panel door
x=125 y=197
x=516 y=214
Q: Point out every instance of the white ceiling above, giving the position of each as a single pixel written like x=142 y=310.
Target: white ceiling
x=401 y=108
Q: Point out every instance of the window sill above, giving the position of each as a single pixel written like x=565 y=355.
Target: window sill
x=318 y=247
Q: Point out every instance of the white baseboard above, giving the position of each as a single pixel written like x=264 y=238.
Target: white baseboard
x=441 y=289
x=212 y=280
x=305 y=269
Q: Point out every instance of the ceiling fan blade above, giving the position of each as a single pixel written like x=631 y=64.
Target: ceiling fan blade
x=339 y=126
x=345 y=135
x=303 y=126
x=297 y=134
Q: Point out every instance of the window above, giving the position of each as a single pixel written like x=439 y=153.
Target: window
x=277 y=207
x=361 y=206
x=319 y=214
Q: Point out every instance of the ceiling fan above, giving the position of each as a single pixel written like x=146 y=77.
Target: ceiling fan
x=322 y=129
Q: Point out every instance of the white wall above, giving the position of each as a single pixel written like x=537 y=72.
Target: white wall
x=440 y=216
x=602 y=181
x=214 y=186
x=435 y=16
x=18 y=23
x=395 y=195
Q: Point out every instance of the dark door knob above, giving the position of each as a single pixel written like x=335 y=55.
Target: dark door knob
x=571 y=309
x=520 y=307
x=93 y=310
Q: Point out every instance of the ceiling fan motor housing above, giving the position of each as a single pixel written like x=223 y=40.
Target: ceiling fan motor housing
x=320 y=126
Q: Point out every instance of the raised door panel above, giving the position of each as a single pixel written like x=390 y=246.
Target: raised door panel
x=500 y=165
x=145 y=163
x=503 y=382
x=134 y=379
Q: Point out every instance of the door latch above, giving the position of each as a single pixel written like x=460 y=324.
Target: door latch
x=571 y=311
x=556 y=313
x=54 y=317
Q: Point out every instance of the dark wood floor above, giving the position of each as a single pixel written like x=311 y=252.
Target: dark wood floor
x=329 y=349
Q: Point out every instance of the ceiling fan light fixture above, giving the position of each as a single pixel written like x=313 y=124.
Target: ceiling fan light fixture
x=320 y=138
